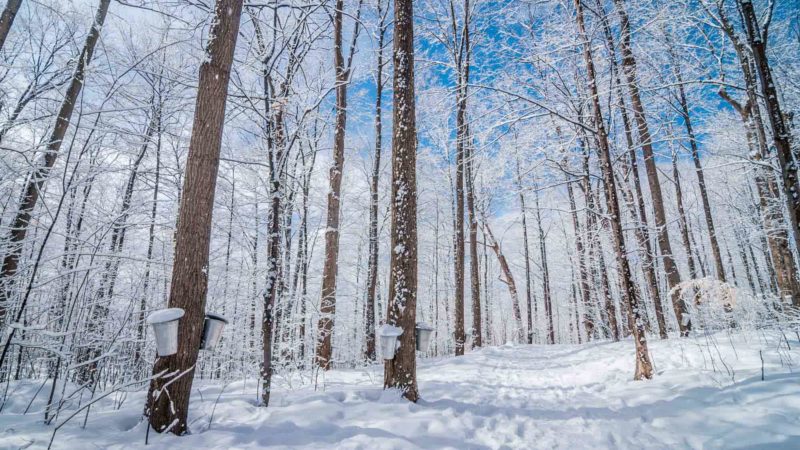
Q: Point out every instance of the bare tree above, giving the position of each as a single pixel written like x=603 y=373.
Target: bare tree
x=372 y=265
x=529 y=300
x=168 y=398
x=645 y=140
x=474 y=267
x=330 y=269
x=36 y=180
x=508 y=280
x=644 y=368
x=7 y=19
x=401 y=372
x=781 y=135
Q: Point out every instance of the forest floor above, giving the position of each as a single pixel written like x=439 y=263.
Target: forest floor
x=707 y=393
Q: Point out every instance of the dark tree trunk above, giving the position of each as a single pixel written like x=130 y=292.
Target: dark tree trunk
x=701 y=180
x=168 y=398
x=638 y=210
x=644 y=368
x=372 y=268
x=508 y=279
x=401 y=372
x=548 y=298
x=780 y=252
x=526 y=253
x=683 y=223
x=330 y=270
x=645 y=140
x=474 y=267
x=462 y=62
x=780 y=133
x=7 y=19
x=583 y=273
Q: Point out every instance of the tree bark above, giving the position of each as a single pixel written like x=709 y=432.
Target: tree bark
x=331 y=268
x=7 y=19
x=781 y=135
x=583 y=273
x=474 y=267
x=698 y=167
x=508 y=279
x=644 y=368
x=548 y=298
x=526 y=252
x=401 y=372
x=638 y=210
x=645 y=140
x=462 y=67
x=372 y=267
x=683 y=224
x=777 y=236
x=168 y=398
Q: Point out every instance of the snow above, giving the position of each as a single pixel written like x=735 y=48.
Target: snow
x=707 y=393
x=165 y=315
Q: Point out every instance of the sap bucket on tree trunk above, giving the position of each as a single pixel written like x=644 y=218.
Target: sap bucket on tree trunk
x=388 y=335
x=165 y=328
x=212 y=331
x=424 y=333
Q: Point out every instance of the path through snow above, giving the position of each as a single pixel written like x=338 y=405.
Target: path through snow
x=707 y=393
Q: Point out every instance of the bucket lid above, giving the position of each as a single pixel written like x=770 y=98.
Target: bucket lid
x=424 y=326
x=389 y=330
x=165 y=315
x=215 y=316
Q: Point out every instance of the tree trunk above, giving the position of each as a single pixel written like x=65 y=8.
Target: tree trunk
x=526 y=253
x=331 y=268
x=701 y=180
x=7 y=19
x=638 y=210
x=583 y=273
x=596 y=245
x=401 y=372
x=781 y=255
x=548 y=298
x=780 y=133
x=644 y=368
x=645 y=140
x=683 y=224
x=461 y=57
x=168 y=398
x=372 y=268
x=508 y=280
x=475 y=280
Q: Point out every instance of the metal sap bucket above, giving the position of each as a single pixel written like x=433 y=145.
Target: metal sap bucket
x=423 y=334
x=389 y=340
x=212 y=331
x=165 y=328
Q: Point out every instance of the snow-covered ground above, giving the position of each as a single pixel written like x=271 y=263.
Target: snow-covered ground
x=707 y=393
